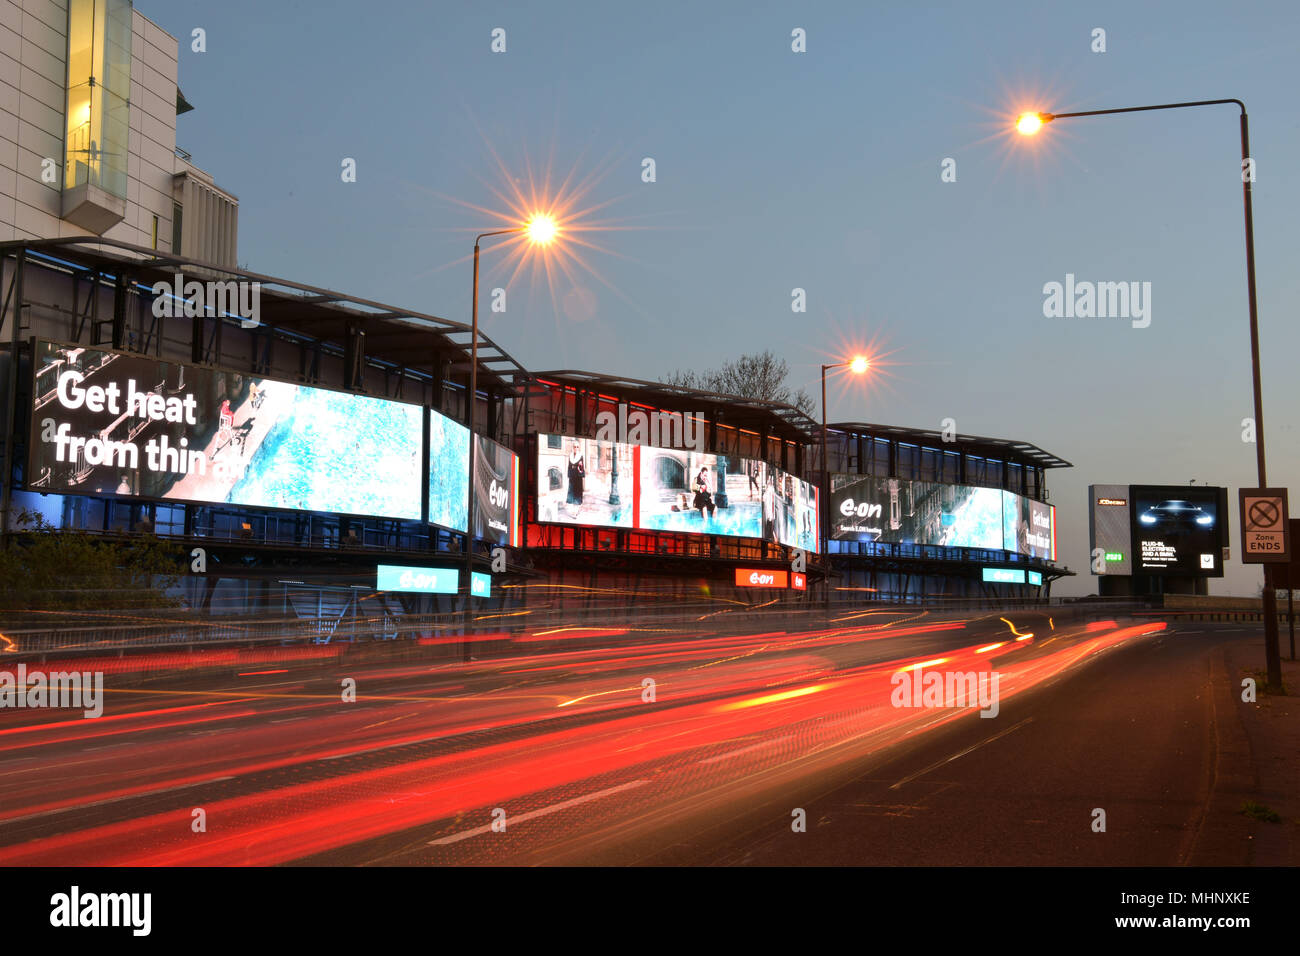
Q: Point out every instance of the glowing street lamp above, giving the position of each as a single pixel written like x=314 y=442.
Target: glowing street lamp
x=858 y=365
x=1030 y=123
x=540 y=229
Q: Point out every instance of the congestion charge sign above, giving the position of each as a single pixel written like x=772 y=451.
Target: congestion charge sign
x=1264 y=535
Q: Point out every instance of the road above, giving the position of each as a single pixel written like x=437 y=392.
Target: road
x=683 y=751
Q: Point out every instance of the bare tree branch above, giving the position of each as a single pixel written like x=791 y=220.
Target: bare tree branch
x=760 y=376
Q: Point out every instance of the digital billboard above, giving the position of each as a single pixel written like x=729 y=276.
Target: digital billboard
x=111 y=423
x=1110 y=529
x=496 y=481
x=790 y=508
x=899 y=511
x=585 y=481
x=448 y=472
x=699 y=492
x=1178 y=529
x=1028 y=527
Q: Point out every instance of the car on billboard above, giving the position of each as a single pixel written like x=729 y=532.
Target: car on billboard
x=1175 y=515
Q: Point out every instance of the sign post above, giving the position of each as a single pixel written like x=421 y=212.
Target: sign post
x=1266 y=540
x=1265 y=536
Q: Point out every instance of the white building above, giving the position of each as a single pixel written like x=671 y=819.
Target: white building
x=88 y=108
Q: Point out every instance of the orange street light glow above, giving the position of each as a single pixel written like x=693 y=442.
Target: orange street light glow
x=858 y=365
x=541 y=229
x=1029 y=123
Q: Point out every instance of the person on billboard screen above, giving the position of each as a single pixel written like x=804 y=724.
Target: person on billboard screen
x=703 y=495
x=225 y=427
x=577 y=476
x=769 y=510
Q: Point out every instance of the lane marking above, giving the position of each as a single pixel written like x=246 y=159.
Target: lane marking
x=744 y=750
x=533 y=814
x=948 y=760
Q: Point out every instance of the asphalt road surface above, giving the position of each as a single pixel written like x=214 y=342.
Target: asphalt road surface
x=819 y=746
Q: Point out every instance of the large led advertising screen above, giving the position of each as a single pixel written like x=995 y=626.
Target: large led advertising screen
x=110 y=423
x=496 y=481
x=584 y=481
x=1178 y=529
x=448 y=472
x=1028 y=526
x=699 y=492
x=789 y=508
x=899 y=511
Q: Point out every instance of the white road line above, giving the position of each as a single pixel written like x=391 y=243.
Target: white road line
x=100 y=803
x=745 y=750
x=947 y=760
x=533 y=814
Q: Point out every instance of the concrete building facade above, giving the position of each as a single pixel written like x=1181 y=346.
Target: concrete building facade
x=88 y=113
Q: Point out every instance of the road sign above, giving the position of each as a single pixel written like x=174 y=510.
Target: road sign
x=1264 y=534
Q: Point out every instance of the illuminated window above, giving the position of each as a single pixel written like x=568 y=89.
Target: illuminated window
x=99 y=85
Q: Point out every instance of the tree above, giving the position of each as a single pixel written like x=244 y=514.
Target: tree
x=47 y=569
x=760 y=376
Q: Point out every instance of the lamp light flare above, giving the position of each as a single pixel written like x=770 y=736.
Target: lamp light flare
x=541 y=229
x=1029 y=123
x=858 y=365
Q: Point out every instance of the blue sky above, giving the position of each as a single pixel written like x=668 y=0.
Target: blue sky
x=819 y=170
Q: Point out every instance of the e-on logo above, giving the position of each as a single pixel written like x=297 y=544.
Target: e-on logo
x=849 y=509
x=761 y=578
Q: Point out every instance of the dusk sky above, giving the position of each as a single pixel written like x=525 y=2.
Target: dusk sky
x=819 y=170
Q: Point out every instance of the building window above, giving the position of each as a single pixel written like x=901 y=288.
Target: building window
x=155 y=232
x=99 y=89
x=176 y=229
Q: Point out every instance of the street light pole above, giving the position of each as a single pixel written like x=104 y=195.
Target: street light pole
x=858 y=365
x=470 y=402
x=540 y=229
x=1030 y=123
x=824 y=516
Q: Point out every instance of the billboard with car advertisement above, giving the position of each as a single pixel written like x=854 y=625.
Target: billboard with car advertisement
x=1178 y=529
